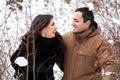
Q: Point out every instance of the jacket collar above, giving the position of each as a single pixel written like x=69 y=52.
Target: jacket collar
x=86 y=34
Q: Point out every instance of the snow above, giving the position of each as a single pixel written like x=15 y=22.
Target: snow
x=90 y=5
x=15 y=23
x=111 y=41
x=21 y=61
x=57 y=72
x=116 y=21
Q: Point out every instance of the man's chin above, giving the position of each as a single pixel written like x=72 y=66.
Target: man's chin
x=77 y=32
x=74 y=31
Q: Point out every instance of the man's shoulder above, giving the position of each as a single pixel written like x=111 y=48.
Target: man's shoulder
x=100 y=39
x=67 y=34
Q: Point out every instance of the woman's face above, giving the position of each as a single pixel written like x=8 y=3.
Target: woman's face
x=50 y=30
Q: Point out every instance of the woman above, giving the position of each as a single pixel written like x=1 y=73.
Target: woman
x=41 y=47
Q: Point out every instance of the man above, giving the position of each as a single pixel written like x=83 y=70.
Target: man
x=87 y=52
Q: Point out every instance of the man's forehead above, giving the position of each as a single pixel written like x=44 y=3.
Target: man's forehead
x=77 y=15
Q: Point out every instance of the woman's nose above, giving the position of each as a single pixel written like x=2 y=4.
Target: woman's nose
x=55 y=26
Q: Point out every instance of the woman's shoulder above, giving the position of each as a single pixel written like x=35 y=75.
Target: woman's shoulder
x=58 y=35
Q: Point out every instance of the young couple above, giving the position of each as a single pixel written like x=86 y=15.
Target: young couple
x=81 y=53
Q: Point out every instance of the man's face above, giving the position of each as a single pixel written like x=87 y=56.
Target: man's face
x=78 y=24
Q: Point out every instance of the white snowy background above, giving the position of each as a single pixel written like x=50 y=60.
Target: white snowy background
x=16 y=16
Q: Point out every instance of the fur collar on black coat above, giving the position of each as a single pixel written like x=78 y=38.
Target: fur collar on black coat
x=47 y=51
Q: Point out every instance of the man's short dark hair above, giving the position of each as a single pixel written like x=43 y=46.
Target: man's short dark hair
x=87 y=15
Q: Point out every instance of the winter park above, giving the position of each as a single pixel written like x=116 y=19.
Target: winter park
x=17 y=15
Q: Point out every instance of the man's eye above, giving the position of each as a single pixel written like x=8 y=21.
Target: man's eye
x=76 y=21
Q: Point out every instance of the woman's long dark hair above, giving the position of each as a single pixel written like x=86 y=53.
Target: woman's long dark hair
x=28 y=40
x=37 y=25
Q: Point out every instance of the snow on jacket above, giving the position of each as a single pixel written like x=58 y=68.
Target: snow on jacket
x=86 y=54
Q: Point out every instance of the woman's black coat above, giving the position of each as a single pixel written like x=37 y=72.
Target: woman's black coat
x=47 y=51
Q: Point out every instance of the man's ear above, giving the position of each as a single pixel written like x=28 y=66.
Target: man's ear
x=88 y=23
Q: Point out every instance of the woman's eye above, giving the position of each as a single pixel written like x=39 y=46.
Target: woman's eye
x=53 y=24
